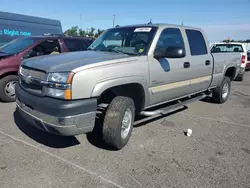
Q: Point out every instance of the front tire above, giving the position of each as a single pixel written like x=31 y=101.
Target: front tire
x=118 y=122
x=7 y=88
x=221 y=93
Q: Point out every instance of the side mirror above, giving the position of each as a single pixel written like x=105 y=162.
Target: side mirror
x=170 y=52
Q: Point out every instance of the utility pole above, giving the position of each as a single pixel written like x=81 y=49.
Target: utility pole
x=114 y=20
x=150 y=21
x=80 y=21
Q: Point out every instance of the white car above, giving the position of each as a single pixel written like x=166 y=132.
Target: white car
x=222 y=47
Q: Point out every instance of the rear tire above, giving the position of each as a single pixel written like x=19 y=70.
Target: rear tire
x=221 y=93
x=118 y=122
x=7 y=88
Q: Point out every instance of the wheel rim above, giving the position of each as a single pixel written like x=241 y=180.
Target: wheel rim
x=225 y=90
x=10 y=89
x=126 y=123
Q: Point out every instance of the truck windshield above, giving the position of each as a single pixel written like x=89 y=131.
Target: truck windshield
x=17 y=45
x=221 y=48
x=127 y=40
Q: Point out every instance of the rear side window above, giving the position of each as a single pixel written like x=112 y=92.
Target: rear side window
x=196 y=42
x=76 y=44
x=222 y=48
x=89 y=42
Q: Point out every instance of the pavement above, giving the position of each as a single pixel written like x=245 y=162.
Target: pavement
x=158 y=155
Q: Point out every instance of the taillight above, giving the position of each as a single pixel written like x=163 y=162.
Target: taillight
x=243 y=58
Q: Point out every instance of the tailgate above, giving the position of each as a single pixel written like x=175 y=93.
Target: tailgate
x=227 y=58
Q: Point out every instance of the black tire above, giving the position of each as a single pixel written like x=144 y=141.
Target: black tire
x=3 y=82
x=112 y=125
x=218 y=92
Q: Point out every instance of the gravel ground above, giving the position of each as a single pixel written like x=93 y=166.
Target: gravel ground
x=158 y=154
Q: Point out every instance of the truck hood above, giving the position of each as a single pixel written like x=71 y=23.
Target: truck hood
x=71 y=60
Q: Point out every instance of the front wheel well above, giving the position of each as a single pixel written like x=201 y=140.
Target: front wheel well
x=8 y=74
x=230 y=72
x=135 y=91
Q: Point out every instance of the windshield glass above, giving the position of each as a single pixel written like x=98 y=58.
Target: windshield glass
x=221 y=48
x=128 y=40
x=17 y=45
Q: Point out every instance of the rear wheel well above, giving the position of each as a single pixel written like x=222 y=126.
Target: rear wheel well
x=134 y=91
x=231 y=73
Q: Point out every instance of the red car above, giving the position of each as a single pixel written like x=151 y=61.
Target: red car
x=12 y=53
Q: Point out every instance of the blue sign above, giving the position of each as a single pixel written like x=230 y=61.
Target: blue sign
x=8 y=32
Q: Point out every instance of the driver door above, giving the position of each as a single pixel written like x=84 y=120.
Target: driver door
x=169 y=77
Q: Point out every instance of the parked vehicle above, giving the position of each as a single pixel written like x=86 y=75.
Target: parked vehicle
x=12 y=53
x=233 y=47
x=248 y=61
x=13 y=26
x=126 y=71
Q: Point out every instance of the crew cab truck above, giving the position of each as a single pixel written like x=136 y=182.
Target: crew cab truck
x=13 y=52
x=125 y=72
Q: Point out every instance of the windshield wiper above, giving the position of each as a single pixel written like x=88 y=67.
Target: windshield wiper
x=111 y=50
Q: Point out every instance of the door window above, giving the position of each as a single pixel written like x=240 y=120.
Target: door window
x=170 y=37
x=196 y=42
x=47 y=47
x=76 y=44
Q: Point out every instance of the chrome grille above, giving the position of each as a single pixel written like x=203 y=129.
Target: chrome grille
x=29 y=85
x=33 y=73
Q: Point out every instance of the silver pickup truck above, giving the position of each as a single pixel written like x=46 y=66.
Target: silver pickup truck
x=127 y=71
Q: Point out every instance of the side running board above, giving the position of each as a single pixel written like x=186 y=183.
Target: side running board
x=174 y=107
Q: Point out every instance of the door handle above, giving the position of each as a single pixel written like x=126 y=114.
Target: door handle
x=186 y=65
x=207 y=62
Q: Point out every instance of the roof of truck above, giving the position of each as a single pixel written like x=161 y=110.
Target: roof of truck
x=160 y=25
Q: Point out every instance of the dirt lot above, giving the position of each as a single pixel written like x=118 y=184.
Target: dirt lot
x=157 y=155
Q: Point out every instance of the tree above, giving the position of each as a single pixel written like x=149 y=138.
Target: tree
x=76 y=31
x=82 y=33
x=73 y=31
x=98 y=33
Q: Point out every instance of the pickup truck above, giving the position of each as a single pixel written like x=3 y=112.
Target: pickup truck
x=126 y=71
x=233 y=48
x=13 y=52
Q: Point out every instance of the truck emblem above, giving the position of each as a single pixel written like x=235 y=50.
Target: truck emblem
x=27 y=79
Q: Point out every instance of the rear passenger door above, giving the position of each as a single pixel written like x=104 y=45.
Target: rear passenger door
x=76 y=45
x=200 y=59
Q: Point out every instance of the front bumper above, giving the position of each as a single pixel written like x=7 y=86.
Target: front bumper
x=56 y=116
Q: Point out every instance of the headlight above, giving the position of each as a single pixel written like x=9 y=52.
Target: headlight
x=60 y=85
x=60 y=77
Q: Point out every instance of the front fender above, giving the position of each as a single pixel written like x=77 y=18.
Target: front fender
x=103 y=85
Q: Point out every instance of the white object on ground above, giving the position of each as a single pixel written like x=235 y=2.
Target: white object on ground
x=189 y=132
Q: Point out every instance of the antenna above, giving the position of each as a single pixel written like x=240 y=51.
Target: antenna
x=114 y=20
x=150 y=21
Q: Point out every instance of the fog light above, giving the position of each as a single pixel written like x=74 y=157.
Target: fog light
x=67 y=121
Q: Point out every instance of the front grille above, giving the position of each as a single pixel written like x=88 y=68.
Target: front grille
x=40 y=75
x=31 y=87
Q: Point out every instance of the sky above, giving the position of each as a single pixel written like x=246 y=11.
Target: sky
x=218 y=18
